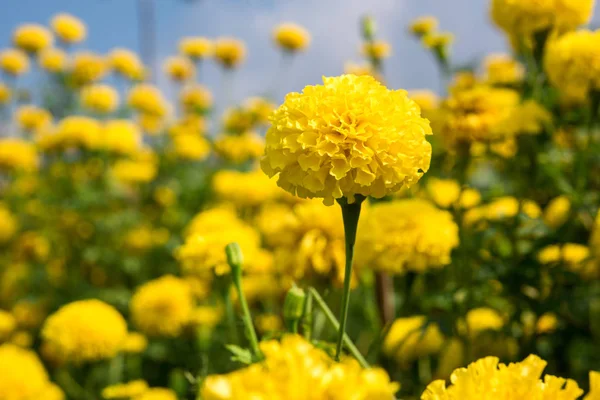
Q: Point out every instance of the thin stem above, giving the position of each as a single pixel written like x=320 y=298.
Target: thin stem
x=350 y=216
x=334 y=322
x=246 y=318
x=230 y=317
x=307 y=316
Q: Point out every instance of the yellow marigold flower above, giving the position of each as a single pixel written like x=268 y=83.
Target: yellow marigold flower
x=206 y=317
x=87 y=67
x=573 y=254
x=443 y=192
x=126 y=63
x=377 y=50
x=157 y=394
x=438 y=40
x=100 y=98
x=594 y=393
x=294 y=368
x=127 y=390
x=412 y=337
x=196 y=99
x=14 y=62
x=53 y=60
x=134 y=171
x=5 y=93
x=179 y=69
x=7 y=325
x=68 y=28
x=134 y=343
x=425 y=99
x=147 y=99
x=531 y=209
x=162 y=307
x=291 y=37
x=502 y=69
x=547 y=323
x=406 y=235
x=120 y=136
x=189 y=146
x=142 y=238
x=230 y=52
x=259 y=109
x=502 y=208
x=244 y=188
x=469 y=198
x=32 y=118
x=423 y=25
x=549 y=254
x=483 y=319
x=24 y=376
x=212 y=221
x=17 y=154
x=196 y=48
x=571 y=64
x=240 y=148
x=237 y=120
x=73 y=131
x=269 y=323
x=8 y=224
x=165 y=196
x=32 y=38
x=355 y=137
x=486 y=379
x=528 y=118
x=526 y=17
x=557 y=211
x=32 y=246
x=85 y=331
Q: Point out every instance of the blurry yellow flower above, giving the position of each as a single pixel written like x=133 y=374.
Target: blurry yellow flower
x=244 y=188
x=443 y=192
x=291 y=37
x=212 y=221
x=438 y=40
x=179 y=68
x=68 y=28
x=196 y=99
x=549 y=254
x=24 y=377
x=355 y=137
x=162 y=307
x=573 y=254
x=142 y=238
x=426 y=99
x=29 y=314
x=229 y=52
x=147 y=99
x=189 y=146
x=412 y=337
x=8 y=224
x=547 y=323
x=240 y=148
x=73 y=131
x=377 y=50
x=505 y=148
x=486 y=379
x=483 y=319
x=126 y=63
x=7 y=325
x=17 y=154
x=165 y=196
x=423 y=25
x=529 y=117
x=127 y=390
x=502 y=69
x=14 y=62
x=237 y=120
x=469 y=198
x=85 y=331
x=5 y=93
x=53 y=60
x=134 y=171
x=206 y=317
x=100 y=98
x=406 y=235
x=134 y=343
x=32 y=118
x=157 y=394
x=120 y=136
x=32 y=38
x=594 y=393
x=259 y=109
x=557 y=211
x=32 y=246
x=269 y=323
x=531 y=209
x=22 y=339
x=196 y=48
x=502 y=208
x=87 y=67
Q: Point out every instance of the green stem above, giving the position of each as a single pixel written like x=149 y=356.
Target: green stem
x=246 y=318
x=233 y=336
x=334 y=322
x=307 y=316
x=350 y=216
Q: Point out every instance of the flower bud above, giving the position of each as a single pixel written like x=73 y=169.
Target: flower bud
x=369 y=27
x=235 y=257
x=293 y=307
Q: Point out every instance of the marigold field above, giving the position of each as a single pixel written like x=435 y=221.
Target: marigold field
x=351 y=242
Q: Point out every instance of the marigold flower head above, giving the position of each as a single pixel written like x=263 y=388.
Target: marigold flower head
x=5 y=93
x=437 y=40
x=189 y=146
x=502 y=69
x=240 y=148
x=350 y=136
x=134 y=171
x=179 y=69
x=547 y=323
x=549 y=254
x=291 y=37
x=32 y=38
x=557 y=211
x=14 y=62
x=206 y=317
x=406 y=235
x=8 y=224
x=196 y=48
x=377 y=50
x=85 y=331
x=157 y=394
x=245 y=188
x=53 y=60
x=100 y=98
x=126 y=63
x=134 y=343
x=483 y=319
x=17 y=154
x=443 y=192
x=73 y=131
x=120 y=136
x=147 y=99
x=486 y=379
x=499 y=209
x=32 y=118
x=87 y=67
x=259 y=109
x=230 y=52
x=212 y=220
x=8 y=324
x=162 y=307
x=412 y=337
x=127 y=390
x=423 y=25
x=196 y=99
x=68 y=28
x=469 y=198
x=594 y=386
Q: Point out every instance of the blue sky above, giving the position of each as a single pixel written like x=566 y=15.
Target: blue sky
x=333 y=24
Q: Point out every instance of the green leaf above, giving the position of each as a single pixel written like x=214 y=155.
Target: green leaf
x=239 y=354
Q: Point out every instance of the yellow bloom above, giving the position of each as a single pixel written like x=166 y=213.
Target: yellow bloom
x=179 y=69
x=259 y=109
x=502 y=69
x=73 y=131
x=14 y=62
x=557 y=211
x=17 y=154
x=196 y=99
x=126 y=63
x=24 y=377
x=5 y=93
x=443 y=192
x=157 y=394
x=355 y=137
x=594 y=393
x=573 y=254
x=547 y=323
x=134 y=343
x=406 y=235
x=85 y=331
x=32 y=38
x=269 y=323
x=7 y=325
x=206 y=317
x=120 y=136
x=147 y=99
x=53 y=60
x=68 y=28
x=424 y=25
x=8 y=224
x=134 y=171
x=377 y=50
x=469 y=198
x=143 y=237
x=291 y=37
x=196 y=48
x=438 y=40
x=100 y=98
x=162 y=307
x=190 y=146
x=244 y=188
x=32 y=118
x=125 y=390
x=549 y=254
x=531 y=209
x=410 y=338
x=211 y=221
x=87 y=67
x=229 y=52
x=528 y=118
x=240 y=148
x=483 y=319
x=426 y=99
